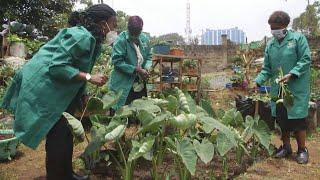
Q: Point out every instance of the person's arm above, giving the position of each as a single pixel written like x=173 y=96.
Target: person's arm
x=62 y=66
x=265 y=73
x=119 y=56
x=304 y=58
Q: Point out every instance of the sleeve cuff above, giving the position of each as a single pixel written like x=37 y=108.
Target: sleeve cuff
x=295 y=73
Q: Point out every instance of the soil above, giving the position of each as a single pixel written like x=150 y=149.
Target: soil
x=30 y=164
x=6 y=136
x=288 y=168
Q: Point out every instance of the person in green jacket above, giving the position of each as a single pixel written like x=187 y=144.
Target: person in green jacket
x=289 y=51
x=131 y=57
x=53 y=82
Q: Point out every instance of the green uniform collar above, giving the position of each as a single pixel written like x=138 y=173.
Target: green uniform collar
x=128 y=37
x=285 y=41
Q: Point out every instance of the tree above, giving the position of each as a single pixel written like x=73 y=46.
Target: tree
x=174 y=38
x=122 y=21
x=308 y=21
x=46 y=15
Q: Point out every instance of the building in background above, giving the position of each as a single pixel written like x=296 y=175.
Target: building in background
x=213 y=37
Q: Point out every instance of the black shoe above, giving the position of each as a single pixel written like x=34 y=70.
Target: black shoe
x=79 y=177
x=302 y=156
x=283 y=151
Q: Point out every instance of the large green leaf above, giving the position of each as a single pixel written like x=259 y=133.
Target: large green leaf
x=154 y=125
x=100 y=120
x=110 y=99
x=224 y=145
x=75 y=124
x=183 y=121
x=206 y=105
x=160 y=102
x=232 y=117
x=116 y=133
x=141 y=148
x=262 y=132
x=145 y=104
x=188 y=154
x=124 y=112
x=192 y=104
x=209 y=124
x=91 y=154
x=95 y=105
x=145 y=117
x=173 y=104
x=205 y=150
x=258 y=128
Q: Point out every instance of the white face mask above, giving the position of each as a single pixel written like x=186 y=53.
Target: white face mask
x=111 y=36
x=279 y=33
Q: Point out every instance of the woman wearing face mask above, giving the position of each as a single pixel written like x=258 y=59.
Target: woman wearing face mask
x=53 y=81
x=131 y=57
x=289 y=51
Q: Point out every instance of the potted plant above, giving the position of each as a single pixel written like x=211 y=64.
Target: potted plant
x=24 y=40
x=8 y=143
x=189 y=67
x=176 y=51
x=189 y=83
x=161 y=47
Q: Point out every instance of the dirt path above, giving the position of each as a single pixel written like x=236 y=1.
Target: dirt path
x=288 y=168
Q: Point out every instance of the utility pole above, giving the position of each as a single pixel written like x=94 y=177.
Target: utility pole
x=188 y=26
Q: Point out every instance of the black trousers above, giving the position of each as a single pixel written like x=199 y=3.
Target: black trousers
x=59 y=147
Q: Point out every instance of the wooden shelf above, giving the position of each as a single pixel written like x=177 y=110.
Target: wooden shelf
x=190 y=75
x=159 y=86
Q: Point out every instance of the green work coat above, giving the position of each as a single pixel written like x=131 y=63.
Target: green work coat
x=293 y=56
x=124 y=59
x=45 y=87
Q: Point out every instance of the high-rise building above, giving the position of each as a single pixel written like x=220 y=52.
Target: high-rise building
x=213 y=37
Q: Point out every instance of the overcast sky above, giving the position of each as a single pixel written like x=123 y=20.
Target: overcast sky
x=167 y=16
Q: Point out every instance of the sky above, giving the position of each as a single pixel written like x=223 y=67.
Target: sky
x=169 y=16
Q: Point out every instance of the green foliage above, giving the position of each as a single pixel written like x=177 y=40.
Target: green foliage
x=32 y=45
x=122 y=21
x=308 y=21
x=141 y=148
x=205 y=150
x=173 y=38
x=76 y=127
x=42 y=14
x=189 y=63
x=286 y=97
x=233 y=118
x=194 y=134
x=188 y=154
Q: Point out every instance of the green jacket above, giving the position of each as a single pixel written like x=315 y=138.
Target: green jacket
x=293 y=56
x=44 y=87
x=124 y=59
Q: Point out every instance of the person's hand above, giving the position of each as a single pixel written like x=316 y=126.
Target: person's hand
x=255 y=87
x=98 y=80
x=285 y=78
x=143 y=73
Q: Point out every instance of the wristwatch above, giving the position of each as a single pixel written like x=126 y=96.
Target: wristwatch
x=88 y=77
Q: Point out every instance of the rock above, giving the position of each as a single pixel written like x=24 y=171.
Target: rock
x=16 y=62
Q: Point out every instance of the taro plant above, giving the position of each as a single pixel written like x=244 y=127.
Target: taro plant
x=285 y=96
x=152 y=128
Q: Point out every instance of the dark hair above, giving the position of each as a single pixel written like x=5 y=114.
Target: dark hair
x=90 y=19
x=279 y=17
x=135 y=25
